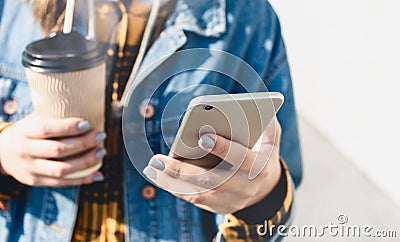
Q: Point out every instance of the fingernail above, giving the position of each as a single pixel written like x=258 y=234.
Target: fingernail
x=83 y=126
x=98 y=178
x=157 y=164
x=150 y=173
x=99 y=137
x=207 y=142
x=100 y=153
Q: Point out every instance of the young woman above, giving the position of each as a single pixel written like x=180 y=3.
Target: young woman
x=117 y=203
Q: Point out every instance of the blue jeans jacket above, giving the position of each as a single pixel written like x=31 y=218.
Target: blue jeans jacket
x=249 y=30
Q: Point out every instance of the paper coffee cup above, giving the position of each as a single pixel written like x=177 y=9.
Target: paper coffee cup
x=67 y=78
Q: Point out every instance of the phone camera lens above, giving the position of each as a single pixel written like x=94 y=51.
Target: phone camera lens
x=208 y=107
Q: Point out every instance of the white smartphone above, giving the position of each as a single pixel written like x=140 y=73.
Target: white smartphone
x=239 y=117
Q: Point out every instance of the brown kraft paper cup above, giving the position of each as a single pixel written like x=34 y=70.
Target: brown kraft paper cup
x=71 y=94
x=66 y=85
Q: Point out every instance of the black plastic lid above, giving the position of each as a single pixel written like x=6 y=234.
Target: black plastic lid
x=61 y=53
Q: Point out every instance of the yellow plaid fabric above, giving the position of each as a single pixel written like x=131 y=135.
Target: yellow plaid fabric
x=101 y=212
x=100 y=222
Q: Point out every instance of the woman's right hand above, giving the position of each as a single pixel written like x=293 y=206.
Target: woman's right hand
x=33 y=151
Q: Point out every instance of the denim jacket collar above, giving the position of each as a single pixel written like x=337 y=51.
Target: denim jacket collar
x=206 y=17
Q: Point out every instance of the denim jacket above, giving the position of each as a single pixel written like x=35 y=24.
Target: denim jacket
x=248 y=30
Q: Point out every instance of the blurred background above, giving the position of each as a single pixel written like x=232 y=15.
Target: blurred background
x=344 y=57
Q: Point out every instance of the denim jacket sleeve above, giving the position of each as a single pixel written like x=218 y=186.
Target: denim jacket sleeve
x=278 y=79
x=14 y=92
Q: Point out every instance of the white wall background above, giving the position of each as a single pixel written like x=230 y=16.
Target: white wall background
x=344 y=56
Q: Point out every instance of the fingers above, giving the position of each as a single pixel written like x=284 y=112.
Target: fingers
x=174 y=167
x=206 y=199
x=253 y=160
x=170 y=183
x=203 y=179
x=59 y=169
x=55 y=149
x=37 y=146
x=42 y=128
x=230 y=151
x=41 y=181
x=266 y=147
x=212 y=201
x=272 y=134
x=55 y=173
x=174 y=175
x=198 y=176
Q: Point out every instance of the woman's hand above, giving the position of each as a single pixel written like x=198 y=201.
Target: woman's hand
x=33 y=151
x=251 y=176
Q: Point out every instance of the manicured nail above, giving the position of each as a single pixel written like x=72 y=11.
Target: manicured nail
x=99 y=137
x=150 y=173
x=207 y=142
x=157 y=164
x=98 y=178
x=100 y=153
x=83 y=126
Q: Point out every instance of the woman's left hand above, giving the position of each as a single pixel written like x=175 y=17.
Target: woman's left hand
x=252 y=175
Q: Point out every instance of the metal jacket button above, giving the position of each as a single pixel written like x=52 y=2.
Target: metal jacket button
x=149 y=192
x=147 y=110
x=10 y=107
